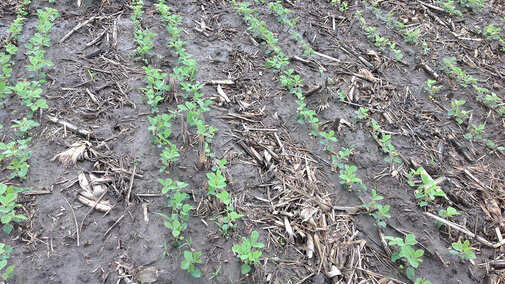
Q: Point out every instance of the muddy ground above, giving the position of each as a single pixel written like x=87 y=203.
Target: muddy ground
x=121 y=247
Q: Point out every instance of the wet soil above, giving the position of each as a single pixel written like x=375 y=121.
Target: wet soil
x=123 y=247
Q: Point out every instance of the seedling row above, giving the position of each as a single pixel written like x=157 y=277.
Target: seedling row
x=355 y=79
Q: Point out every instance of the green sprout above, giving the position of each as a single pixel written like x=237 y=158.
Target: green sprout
x=362 y=113
x=327 y=138
x=24 y=126
x=428 y=191
x=446 y=214
x=8 y=196
x=341 y=157
x=348 y=177
x=456 y=112
x=5 y=251
x=464 y=250
x=247 y=254
x=188 y=264
x=407 y=254
x=421 y=281
x=430 y=87
x=378 y=211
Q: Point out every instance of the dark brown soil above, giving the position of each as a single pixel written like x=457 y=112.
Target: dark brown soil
x=45 y=246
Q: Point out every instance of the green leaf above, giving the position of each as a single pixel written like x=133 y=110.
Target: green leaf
x=224 y=196
x=6 y=219
x=395 y=256
x=8 y=199
x=8 y=228
x=256 y=254
x=458 y=246
x=245 y=268
x=185 y=264
x=3 y=187
x=410 y=272
x=196 y=273
x=410 y=239
x=470 y=255
x=258 y=245
x=254 y=236
x=237 y=249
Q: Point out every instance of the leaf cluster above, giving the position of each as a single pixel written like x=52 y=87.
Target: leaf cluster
x=384 y=140
x=16 y=152
x=8 y=196
x=379 y=41
x=406 y=253
x=246 y=252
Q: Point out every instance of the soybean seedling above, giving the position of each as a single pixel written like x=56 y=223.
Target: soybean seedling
x=490 y=32
x=8 y=196
x=170 y=187
x=450 y=8
x=430 y=87
x=24 y=126
x=18 y=163
x=412 y=35
x=477 y=133
x=219 y=164
x=176 y=221
x=327 y=137
x=5 y=251
x=421 y=281
x=229 y=220
x=30 y=93
x=446 y=214
x=176 y=225
x=216 y=181
x=143 y=38
x=362 y=113
x=456 y=112
x=407 y=253
x=374 y=198
x=428 y=191
x=188 y=264
x=473 y=4
x=168 y=155
x=343 y=155
x=379 y=212
x=342 y=5
x=161 y=128
x=455 y=71
x=348 y=177
x=246 y=253
x=464 y=250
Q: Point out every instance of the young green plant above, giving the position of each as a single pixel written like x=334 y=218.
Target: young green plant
x=246 y=252
x=406 y=253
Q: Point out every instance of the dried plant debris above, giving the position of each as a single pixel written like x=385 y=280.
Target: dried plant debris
x=116 y=171
x=92 y=191
x=301 y=211
x=76 y=151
